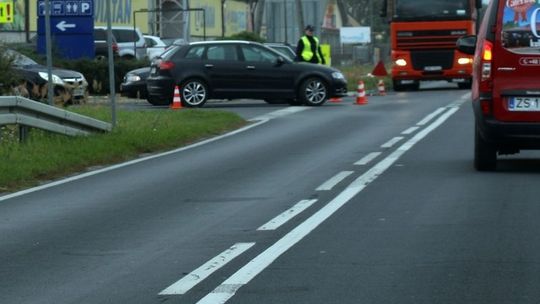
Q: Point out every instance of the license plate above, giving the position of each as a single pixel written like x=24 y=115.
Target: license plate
x=524 y=104
x=433 y=68
x=78 y=92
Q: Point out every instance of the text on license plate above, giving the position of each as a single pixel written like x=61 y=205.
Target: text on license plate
x=524 y=104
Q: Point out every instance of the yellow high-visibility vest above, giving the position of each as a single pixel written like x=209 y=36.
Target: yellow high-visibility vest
x=307 y=54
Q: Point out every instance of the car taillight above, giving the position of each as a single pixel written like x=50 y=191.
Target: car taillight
x=486 y=79
x=115 y=48
x=487 y=57
x=166 y=65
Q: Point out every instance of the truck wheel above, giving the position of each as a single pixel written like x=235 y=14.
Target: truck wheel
x=485 y=153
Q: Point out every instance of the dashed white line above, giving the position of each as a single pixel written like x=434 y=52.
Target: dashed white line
x=329 y=184
x=281 y=219
x=410 y=130
x=391 y=142
x=198 y=275
x=367 y=159
x=244 y=275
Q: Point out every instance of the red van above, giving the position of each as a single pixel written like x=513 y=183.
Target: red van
x=506 y=80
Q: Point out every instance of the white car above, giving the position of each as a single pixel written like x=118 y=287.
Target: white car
x=130 y=41
x=154 y=46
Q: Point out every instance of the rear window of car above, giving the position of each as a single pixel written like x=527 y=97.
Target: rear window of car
x=195 y=52
x=222 y=52
x=521 y=26
x=125 y=35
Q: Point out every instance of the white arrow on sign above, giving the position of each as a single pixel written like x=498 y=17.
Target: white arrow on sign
x=62 y=25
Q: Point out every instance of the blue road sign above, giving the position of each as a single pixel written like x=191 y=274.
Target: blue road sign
x=72 y=27
x=67 y=25
x=67 y=8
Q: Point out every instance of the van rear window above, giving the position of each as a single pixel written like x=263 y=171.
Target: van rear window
x=521 y=26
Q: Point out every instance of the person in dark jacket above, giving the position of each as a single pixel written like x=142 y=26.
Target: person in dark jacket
x=308 y=48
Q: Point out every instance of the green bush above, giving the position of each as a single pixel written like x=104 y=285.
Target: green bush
x=249 y=36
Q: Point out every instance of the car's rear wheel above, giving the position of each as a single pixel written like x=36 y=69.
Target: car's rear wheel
x=194 y=93
x=485 y=153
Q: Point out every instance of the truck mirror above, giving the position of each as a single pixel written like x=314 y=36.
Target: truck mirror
x=478 y=4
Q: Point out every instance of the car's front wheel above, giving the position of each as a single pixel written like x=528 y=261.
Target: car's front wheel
x=194 y=93
x=485 y=153
x=313 y=92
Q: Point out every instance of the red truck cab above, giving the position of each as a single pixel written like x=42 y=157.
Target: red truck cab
x=423 y=40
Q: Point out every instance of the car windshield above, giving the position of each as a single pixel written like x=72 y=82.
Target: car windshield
x=19 y=59
x=411 y=10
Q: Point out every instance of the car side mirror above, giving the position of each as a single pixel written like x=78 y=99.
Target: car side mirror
x=467 y=44
x=280 y=61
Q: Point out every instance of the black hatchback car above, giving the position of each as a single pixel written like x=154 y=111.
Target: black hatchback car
x=239 y=69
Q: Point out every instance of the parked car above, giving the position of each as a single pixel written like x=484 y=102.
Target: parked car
x=131 y=43
x=70 y=86
x=239 y=69
x=154 y=46
x=505 y=89
x=101 y=45
x=283 y=48
x=134 y=83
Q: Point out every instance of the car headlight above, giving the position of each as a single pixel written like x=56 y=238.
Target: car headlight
x=55 y=78
x=338 y=75
x=132 y=78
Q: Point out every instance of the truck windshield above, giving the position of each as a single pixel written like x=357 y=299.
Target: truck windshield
x=412 y=10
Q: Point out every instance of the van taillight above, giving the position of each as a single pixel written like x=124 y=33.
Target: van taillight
x=166 y=65
x=487 y=57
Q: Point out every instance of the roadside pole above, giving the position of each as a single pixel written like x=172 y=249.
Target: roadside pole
x=48 y=42
x=112 y=90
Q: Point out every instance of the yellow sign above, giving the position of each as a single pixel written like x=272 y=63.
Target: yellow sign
x=6 y=12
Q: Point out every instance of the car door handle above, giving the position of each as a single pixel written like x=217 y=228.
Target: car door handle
x=250 y=67
x=208 y=65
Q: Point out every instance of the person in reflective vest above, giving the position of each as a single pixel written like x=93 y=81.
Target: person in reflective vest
x=308 y=48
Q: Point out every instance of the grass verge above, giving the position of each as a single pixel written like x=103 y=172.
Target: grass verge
x=45 y=156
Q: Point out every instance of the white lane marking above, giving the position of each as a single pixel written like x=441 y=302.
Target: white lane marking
x=391 y=142
x=410 y=130
x=367 y=159
x=198 y=275
x=329 y=184
x=280 y=113
x=429 y=117
x=281 y=219
x=256 y=122
x=244 y=275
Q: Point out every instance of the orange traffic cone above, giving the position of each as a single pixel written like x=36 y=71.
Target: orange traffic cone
x=380 y=87
x=361 y=98
x=177 y=101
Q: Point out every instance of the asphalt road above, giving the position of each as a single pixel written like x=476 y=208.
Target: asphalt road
x=338 y=204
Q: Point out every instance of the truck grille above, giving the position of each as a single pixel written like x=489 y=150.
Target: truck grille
x=429 y=39
x=433 y=58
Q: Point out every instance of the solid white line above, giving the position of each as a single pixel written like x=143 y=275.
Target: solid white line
x=391 y=142
x=281 y=219
x=410 y=130
x=280 y=113
x=198 y=275
x=230 y=286
x=367 y=159
x=430 y=117
x=329 y=184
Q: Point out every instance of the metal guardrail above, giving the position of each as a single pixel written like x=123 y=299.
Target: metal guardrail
x=16 y=110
